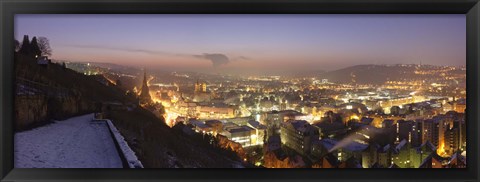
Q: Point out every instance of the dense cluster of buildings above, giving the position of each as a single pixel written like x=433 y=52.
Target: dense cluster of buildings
x=302 y=122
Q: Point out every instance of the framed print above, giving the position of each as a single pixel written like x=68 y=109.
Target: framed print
x=230 y=91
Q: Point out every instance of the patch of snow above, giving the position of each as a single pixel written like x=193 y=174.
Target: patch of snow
x=73 y=143
x=133 y=161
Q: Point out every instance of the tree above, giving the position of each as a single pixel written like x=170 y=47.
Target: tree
x=25 y=48
x=35 y=48
x=44 y=46
x=17 y=45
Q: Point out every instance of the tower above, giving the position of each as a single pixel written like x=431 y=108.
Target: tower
x=200 y=87
x=197 y=86
x=144 y=96
x=204 y=87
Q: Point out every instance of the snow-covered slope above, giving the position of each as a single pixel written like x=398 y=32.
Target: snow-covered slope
x=73 y=143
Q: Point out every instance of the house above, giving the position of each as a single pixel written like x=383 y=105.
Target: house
x=43 y=60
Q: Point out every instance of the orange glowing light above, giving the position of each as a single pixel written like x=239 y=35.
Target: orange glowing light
x=441 y=149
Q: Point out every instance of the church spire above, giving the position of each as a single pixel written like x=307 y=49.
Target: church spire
x=144 y=96
x=144 y=76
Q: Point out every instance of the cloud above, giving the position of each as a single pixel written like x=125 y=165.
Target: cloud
x=240 y=58
x=216 y=59
x=126 y=50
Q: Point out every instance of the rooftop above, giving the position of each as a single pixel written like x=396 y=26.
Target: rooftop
x=239 y=129
x=350 y=146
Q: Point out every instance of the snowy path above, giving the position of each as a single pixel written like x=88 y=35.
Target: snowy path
x=73 y=143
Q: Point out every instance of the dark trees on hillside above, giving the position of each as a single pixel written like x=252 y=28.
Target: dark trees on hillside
x=44 y=46
x=34 y=48
x=17 y=45
x=25 y=48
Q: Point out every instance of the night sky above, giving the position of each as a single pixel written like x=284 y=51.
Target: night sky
x=249 y=42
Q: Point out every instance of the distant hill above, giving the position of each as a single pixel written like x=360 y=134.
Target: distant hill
x=373 y=74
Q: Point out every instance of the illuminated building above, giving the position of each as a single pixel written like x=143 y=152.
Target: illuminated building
x=200 y=92
x=202 y=97
x=401 y=155
x=330 y=130
x=240 y=134
x=370 y=155
x=201 y=127
x=278 y=159
x=318 y=149
x=212 y=112
x=376 y=156
x=273 y=120
x=434 y=131
x=298 y=135
x=385 y=156
x=416 y=134
x=390 y=126
x=200 y=87
x=404 y=130
x=259 y=132
x=459 y=106
x=430 y=131
x=387 y=104
x=239 y=120
x=283 y=104
x=326 y=108
x=327 y=161
x=457 y=161
x=463 y=135
x=216 y=125
x=434 y=161
x=419 y=154
x=352 y=106
x=187 y=108
x=452 y=140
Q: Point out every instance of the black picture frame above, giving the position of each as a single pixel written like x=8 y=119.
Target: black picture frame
x=9 y=8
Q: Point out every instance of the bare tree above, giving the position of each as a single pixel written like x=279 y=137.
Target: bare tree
x=44 y=46
x=17 y=45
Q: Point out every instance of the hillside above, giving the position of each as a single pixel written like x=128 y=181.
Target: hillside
x=54 y=75
x=378 y=74
x=159 y=146
x=47 y=92
x=51 y=92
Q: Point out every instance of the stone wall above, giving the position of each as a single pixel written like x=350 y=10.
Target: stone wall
x=32 y=110
x=29 y=109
